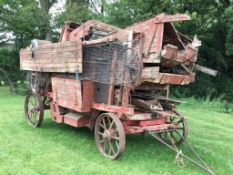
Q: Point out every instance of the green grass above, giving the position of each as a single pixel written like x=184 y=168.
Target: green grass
x=61 y=149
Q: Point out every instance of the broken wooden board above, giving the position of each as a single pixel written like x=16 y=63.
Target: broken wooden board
x=206 y=70
x=167 y=78
x=83 y=30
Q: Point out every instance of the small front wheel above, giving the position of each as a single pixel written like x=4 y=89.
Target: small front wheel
x=109 y=135
x=33 y=109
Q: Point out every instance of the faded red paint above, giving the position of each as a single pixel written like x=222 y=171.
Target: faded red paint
x=114 y=109
x=152 y=122
x=78 y=95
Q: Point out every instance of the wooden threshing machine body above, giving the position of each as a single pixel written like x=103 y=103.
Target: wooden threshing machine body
x=101 y=75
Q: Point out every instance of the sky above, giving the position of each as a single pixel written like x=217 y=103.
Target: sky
x=57 y=8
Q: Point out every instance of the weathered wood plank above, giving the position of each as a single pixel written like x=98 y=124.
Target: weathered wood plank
x=167 y=78
x=67 y=93
x=150 y=72
x=57 y=57
x=55 y=67
x=152 y=58
x=206 y=70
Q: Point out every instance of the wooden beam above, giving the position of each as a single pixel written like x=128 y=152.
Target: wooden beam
x=206 y=70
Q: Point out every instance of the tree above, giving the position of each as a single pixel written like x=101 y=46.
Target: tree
x=20 y=22
x=211 y=21
x=45 y=6
x=75 y=11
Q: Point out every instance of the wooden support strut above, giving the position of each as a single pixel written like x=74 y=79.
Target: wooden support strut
x=126 y=79
x=111 y=85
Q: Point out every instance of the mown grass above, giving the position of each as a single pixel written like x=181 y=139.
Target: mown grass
x=61 y=149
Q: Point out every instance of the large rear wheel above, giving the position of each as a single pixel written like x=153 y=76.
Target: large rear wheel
x=33 y=109
x=109 y=135
x=179 y=135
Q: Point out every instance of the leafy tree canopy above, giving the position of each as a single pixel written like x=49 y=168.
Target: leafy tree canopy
x=211 y=20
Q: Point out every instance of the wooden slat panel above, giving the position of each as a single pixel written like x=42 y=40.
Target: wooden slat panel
x=57 y=57
x=67 y=93
x=36 y=61
x=58 y=67
x=66 y=56
x=71 y=56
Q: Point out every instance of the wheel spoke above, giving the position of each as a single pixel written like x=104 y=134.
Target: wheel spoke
x=179 y=121
x=33 y=109
x=115 y=138
x=109 y=149
x=172 y=119
x=110 y=144
x=104 y=146
x=117 y=144
x=102 y=126
x=180 y=127
x=109 y=135
x=100 y=133
x=102 y=141
x=173 y=137
x=111 y=124
x=165 y=135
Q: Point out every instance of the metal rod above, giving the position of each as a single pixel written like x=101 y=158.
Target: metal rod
x=197 y=155
x=186 y=157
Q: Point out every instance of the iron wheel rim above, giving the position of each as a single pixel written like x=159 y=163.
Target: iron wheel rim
x=34 y=109
x=109 y=136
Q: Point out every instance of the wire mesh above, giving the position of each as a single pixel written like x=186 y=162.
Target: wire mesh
x=113 y=63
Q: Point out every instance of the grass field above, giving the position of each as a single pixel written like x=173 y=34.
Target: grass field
x=61 y=149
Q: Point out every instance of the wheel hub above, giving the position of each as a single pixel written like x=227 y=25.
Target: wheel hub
x=107 y=135
x=35 y=109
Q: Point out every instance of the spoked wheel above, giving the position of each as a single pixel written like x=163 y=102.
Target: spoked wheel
x=109 y=135
x=179 y=135
x=34 y=109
